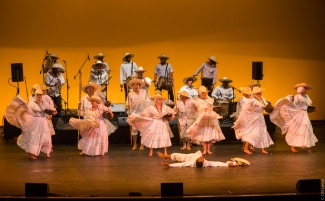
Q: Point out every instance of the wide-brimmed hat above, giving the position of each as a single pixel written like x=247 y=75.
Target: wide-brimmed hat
x=36 y=86
x=256 y=90
x=213 y=58
x=99 y=55
x=245 y=90
x=95 y=98
x=58 y=66
x=254 y=85
x=157 y=91
x=241 y=161
x=157 y=96
x=308 y=87
x=44 y=87
x=140 y=70
x=39 y=91
x=202 y=89
x=184 y=93
x=190 y=77
x=163 y=56
x=54 y=55
x=127 y=54
x=93 y=85
x=135 y=80
x=100 y=63
x=225 y=79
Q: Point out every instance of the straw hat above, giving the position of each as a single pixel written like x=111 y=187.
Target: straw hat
x=58 y=66
x=127 y=54
x=140 y=70
x=136 y=81
x=202 y=89
x=245 y=90
x=256 y=90
x=44 y=87
x=99 y=55
x=36 y=86
x=95 y=98
x=308 y=87
x=163 y=56
x=54 y=55
x=157 y=92
x=157 y=96
x=225 y=79
x=39 y=91
x=93 y=85
x=190 y=77
x=184 y=93
x=241 y=161
x=254 y=85
x=213 y=58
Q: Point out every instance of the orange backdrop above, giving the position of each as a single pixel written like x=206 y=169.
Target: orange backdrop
x=287 y=36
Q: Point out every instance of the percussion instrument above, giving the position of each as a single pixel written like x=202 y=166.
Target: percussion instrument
x=310 y=109
x=269 y=108
x=165 y=83
x=222 y=108
x=167 y=117
x=107 y=115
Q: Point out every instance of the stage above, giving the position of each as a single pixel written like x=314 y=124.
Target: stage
x=122 y=171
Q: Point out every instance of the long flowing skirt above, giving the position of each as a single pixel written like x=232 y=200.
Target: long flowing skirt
x=206 y=128
x=294 y=122
x=94 y=135
x=155 y=132
x=36 y=135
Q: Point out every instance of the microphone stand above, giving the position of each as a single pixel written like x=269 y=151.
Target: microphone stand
x=80 y=84
x=68 y=87
x=233 y=97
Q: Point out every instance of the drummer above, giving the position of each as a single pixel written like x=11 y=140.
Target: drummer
x=189 y=88
x=224 y=94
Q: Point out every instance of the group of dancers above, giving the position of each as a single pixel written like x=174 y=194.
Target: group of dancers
x=148 y=115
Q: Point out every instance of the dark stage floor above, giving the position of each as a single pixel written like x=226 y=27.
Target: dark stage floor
x=122 y=171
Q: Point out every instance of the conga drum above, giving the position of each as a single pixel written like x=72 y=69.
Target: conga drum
x=224 y=108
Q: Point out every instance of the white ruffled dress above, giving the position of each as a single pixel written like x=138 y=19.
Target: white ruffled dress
x=251 y=126
x=206 y=126
x=155 y=130
x=292 y=118
x=94 y=131
x=31 y=118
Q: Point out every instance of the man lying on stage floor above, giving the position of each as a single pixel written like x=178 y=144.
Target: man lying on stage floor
x=197 y=160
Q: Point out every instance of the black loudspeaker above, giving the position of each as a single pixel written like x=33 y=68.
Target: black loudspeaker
x=58 y=123
x=17 y=74
x=36 y=189
x=308 y=186
x=121 y=121
x=257 y=70
x=171 y=189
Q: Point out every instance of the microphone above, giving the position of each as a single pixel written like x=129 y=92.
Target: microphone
x=64 y=61
x=88 y=58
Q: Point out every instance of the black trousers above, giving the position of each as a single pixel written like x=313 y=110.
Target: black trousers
x=58 y=102
x=207 y=82
x=170 y=93
x=125 y=91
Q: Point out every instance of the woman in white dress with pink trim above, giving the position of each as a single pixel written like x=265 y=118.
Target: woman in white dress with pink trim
x=153 y=124
x=206 y=127
x=250 y=125
x=93 y=129
x=290 y=114
x=32 y=119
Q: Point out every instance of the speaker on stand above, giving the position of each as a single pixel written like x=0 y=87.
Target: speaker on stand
x=17 y=74
x=257 y=71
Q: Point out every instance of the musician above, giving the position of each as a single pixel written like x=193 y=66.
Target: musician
x=98 y=75
x=209 y=73
x=127 y=69
x=50 y=60
x=146 y=80
x=54 y=79
x=224 y=93
x=189 y=88
x=164 y=69
x=100 y=57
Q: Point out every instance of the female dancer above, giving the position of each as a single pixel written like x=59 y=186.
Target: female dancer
x=206 y=127
x=93 y=128
x=290 y=114
x=153 y=124
x=32 y=119
x=250 y=126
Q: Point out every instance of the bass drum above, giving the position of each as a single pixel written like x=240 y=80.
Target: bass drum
x=165 y=83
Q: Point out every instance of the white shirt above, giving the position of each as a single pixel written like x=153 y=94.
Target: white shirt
x=223 y=94
x=190 y=90
x=185 y=111
x=50 y=81
x=125 y=70
x=137 y=101
x=189 y=160
x=161 y=70
x=99 y=79
x=85 y=104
